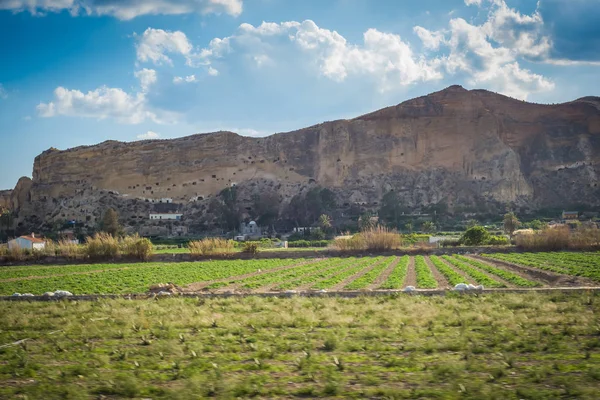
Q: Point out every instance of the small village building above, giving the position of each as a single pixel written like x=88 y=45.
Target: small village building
x=251 y=230
x=27 y=242
x=165 y=216
x=570 y=215
x=301 y=229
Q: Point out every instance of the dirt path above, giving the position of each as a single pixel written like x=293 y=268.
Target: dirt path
x=441 y=279
x=354 y=277
x=546 y=277
x=411 y=275
x=197 y=286
x=520 y=273
x=384 y=275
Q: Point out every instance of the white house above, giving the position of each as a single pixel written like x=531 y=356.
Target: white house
x=166 y=216
x=27 y=242
x=250 y=230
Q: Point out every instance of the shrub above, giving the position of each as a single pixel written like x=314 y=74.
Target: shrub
x=355 y=242
x=498 y=240
x=250 y=248
x=208 y=246
x=556 y=238
x=475 y=236
x=136 y=246
x=102 y=246
x=450 y=243
x=381 y=238
x=70 y=250
x=560 y=238
x=378 y=239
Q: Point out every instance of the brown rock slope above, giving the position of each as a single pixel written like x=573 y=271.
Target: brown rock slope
x=455 y=146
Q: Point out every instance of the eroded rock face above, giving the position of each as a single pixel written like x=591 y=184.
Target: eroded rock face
x=454 y=146
x=5 y=199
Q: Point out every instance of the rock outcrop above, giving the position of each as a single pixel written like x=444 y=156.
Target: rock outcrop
x=5 y=199
x=458 y=147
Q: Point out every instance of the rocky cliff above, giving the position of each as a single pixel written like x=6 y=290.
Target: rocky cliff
x=457 y=147
x=5 y=199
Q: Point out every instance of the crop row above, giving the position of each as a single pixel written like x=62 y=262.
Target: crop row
x=258 y=281
x=474 y=273
x=398 y=275
x=137 y=280
x=325 y=272
x=502 y=273
x=425 y=277
x=334 y=280
x=369 y=277
x=578 y=264
x=451 y=275
x=40 y=271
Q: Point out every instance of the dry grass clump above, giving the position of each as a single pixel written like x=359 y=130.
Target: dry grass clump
x=381 y=238
x=102 y=245
x=105 y=246
x=560 y=238
x=136 y=246
x=210 y=246
x=14 y=254
x=68 y=249
x=378 y=238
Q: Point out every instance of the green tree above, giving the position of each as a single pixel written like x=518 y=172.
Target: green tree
x=511 y=223
x=475 y=236
x=409 y=227
x=265 y=208
x=366 y=221
x=428 y=227
x=325 y=222
x=110 y=222
x=537 y=224
x=391 y=210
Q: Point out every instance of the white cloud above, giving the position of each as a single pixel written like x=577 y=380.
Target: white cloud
x=489 y=53
x=383 y=56
x=154 y=43
x=148 y=136
x=147 y=78
x=3 y=93
x=125 y=9
x=473 y=2
x=185 y=79
x=212 y=71
x=431 y=40
x=100 y=103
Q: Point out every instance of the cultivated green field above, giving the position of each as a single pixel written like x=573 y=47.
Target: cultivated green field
x=493 y=346
x=515 y=270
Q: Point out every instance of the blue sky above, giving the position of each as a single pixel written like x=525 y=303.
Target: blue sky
x=78 y=72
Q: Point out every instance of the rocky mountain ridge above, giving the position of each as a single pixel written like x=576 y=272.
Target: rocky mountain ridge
x=462 y=148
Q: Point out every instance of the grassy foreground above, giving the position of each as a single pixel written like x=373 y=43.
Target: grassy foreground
x=501 y=346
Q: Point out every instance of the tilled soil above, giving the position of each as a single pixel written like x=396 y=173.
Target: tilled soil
x=411 y=275
x=468 y=279
x=384 y=275
x=441 y=279
x=352 y=278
